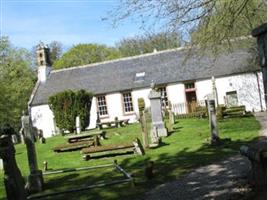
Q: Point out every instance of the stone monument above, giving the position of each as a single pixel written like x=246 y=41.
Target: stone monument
x=158 y=128
x=213 y=123
x=261 y=34
x=13 y=180
x=35 y=179
x=78 y=125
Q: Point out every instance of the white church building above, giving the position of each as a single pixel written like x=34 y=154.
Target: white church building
x=117 y=84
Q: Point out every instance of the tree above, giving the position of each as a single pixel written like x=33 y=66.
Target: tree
x=214 y=21
x=55 y=51
x=16 y=82
x=147 y=43
x=67 y=105
x=83 y=54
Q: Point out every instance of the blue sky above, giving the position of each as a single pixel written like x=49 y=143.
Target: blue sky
x=26 y=22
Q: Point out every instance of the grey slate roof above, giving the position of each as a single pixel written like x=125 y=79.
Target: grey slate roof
x=162 y=67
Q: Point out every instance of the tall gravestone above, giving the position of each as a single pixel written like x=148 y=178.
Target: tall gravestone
x=158 y=128
x=213 y=122
x=78 y=125
x=13 y=180
x=35 y=179
x=261 y=34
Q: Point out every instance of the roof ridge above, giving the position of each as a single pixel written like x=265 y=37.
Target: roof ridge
x=121 y=59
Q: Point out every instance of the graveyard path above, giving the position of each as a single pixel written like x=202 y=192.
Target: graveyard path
x=223 y=180
x=216 y=181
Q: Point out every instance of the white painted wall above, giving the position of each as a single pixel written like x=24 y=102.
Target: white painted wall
x=245 y=85
x=140 y=93
x=43 y=72
x=93 y=114
x=203 y=89
x=176 y=93
x=42 y=118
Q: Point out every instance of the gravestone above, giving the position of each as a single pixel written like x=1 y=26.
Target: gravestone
x=158 y=128
x=35 y=179
x=78 y=125
x=261 y=34
x=13 y=180
x=213 y=122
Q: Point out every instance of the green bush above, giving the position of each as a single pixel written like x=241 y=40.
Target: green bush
x=67 y=105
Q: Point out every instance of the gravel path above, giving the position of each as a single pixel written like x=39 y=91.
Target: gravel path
x=223 y=180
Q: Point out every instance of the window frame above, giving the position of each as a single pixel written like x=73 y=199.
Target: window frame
x=164 y=96
x=124 y=103
x=106 y=114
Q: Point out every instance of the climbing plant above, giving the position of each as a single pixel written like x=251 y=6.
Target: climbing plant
x=67 y=105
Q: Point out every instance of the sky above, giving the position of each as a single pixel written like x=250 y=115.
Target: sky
x=27 y=22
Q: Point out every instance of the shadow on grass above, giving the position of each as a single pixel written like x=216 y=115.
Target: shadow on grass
x=167 y=167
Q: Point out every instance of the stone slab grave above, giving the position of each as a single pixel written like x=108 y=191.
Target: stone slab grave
x=77 y=142
x=116 y=123
x=101 y=151
x=73 y=146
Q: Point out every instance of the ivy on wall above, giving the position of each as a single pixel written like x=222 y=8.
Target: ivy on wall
x=67 y=105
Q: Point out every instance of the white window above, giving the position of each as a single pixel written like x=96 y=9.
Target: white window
x=164 y=96
x=102 y=105
x=127 y=102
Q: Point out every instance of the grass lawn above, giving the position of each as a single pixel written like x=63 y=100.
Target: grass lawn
x=186 y=148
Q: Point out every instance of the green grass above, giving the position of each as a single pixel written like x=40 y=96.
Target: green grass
x=186 y=148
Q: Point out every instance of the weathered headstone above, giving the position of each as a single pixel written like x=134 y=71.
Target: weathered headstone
x=158 y=127
x=213 y=122
x=78 y=125
x=261 y=34
x=144 y=129
x=35 y=179
x=13 y=180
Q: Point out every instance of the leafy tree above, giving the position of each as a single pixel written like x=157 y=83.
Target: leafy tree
x=16 y=82
x=83 y=54
x=147 y=43
x=213 y=20
x=67 y=105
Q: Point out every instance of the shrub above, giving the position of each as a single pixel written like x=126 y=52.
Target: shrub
x=67 y=105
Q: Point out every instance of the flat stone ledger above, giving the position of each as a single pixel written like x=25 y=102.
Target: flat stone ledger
x=156 y=114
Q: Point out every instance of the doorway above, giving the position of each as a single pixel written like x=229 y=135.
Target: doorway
x=191 y=100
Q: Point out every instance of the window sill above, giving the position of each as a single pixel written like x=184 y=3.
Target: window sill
x=129 y=113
